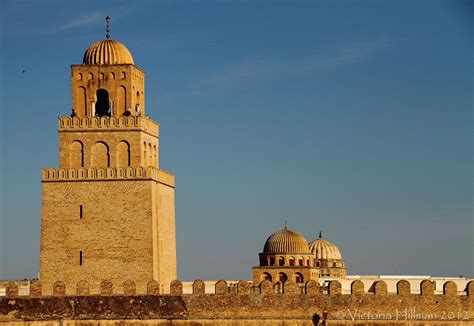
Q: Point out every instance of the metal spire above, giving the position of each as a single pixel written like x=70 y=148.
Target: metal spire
x=286 y=225
x=107 y=29
x=320 y=234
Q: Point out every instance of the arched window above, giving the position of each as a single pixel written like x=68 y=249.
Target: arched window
x=100 y=155
x=120 y=108
x=317 y=264
x=76 y=155
x=266 y=276
x=281 y=261
x=81 y=101
x=102 y=105
x=150 y=158
x=282 y=277
x=155 y=157
x=144 y=155
x=301 y=261
x=272 y=261
x=334 y=264
x=292 y=261
x=137 y=104
x=123 y=154
x=298 y=278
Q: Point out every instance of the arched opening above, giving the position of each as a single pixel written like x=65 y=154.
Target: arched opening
x=137 y=104
x=298 y=278
x=281 y=261
x=301 y=261
x=317 y=264
x=266 y=276
x=102 y=105
x=282 y=277
x=123 y=154
x=272 y=261
x=150 y=156
x=81 y=109
x=100 y=155
x=120 y=108
x=334 y=264
x=292 y=261
x=144 y=155
x=76 y=155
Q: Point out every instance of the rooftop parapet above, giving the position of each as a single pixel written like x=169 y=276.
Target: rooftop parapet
x=94 y=174
x=75 y=124
x=243 y=287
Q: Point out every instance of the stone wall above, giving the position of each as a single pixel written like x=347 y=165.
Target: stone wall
x=98 y=229
x=245 y=304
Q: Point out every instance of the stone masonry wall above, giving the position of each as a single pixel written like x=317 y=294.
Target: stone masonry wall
x=114 y=236
x=246 y=304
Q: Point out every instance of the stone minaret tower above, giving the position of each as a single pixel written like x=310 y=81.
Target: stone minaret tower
x=108 y=211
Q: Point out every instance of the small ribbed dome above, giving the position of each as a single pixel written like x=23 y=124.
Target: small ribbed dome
x=107 y=52
x=286 y=241
x=324 y=249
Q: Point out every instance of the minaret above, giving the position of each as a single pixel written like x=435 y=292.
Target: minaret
x=108 y=210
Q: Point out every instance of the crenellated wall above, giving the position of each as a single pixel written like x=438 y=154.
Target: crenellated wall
x=243 y=304
x=95 y=174
x=67 y=123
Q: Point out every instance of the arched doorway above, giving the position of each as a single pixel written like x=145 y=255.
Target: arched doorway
x=299 y=278
x=266 y=276
x=282 y=277
x=102 y=105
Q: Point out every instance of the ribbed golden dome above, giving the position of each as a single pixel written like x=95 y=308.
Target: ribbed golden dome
x=324 y=249
x=107 y=52
x=286 y=241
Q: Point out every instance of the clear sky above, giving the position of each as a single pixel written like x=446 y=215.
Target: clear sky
x=350 y=117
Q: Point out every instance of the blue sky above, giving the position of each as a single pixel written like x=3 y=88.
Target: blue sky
x=354 y=118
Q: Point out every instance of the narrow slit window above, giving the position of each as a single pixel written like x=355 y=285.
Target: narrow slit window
x=80 y=258
x=80 y=212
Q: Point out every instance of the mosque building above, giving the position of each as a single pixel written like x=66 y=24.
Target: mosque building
x=108 y=210
x=287 y=255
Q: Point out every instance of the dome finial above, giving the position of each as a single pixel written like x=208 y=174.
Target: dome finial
x=286 y=225
x=320 y=234
x=107 y=28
